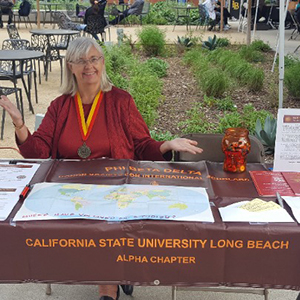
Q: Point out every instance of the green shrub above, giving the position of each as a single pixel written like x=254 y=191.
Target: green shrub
x=246 y=119
x=145 y=88
x=118 y=62
x=158 y=66
x=251 y=115
x=292 y=79
x=290 y=60
x=213 y=82
x=254 y=79
x=251 y=55
x=233 y=119
x=163 y=10
x=152 y=40
x=259 y=45
x=223 y=42
x=222 y=104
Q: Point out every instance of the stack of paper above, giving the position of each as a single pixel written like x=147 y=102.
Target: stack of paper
x=255 y=210
x=13 y=179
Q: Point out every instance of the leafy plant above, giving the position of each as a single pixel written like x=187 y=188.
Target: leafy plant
x=162 y=135
x=185 y=41
x=290 y=60
x=196 y=121
x=158 y=66
x=226 y=104
x=292 y=79
x=267 y=134
x=152 y=40
x=250 y=116
x=233 y=119
x=211 y=43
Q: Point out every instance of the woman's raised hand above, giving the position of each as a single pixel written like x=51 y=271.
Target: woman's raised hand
x=12 y=110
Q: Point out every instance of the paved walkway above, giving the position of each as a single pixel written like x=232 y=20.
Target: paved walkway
x=77 y=292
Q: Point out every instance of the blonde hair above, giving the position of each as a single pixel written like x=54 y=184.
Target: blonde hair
x=77 y=49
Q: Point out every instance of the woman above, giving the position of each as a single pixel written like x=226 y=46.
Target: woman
x=96 y=9
x=214 y=16
x=114 y=127
x=135 y=9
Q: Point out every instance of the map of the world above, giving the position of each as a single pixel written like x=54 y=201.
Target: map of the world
x=115 y=202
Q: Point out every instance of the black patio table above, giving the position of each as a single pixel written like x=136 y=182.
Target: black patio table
x=20 y=56
x=185 y=13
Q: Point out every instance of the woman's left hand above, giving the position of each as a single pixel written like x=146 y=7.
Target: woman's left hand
x=181 y=145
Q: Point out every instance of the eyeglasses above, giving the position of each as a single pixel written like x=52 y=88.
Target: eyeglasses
x=84 y=62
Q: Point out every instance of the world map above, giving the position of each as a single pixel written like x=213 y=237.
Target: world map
x=115 y=202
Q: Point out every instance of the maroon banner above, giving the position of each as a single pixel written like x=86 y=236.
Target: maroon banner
x=152 y=252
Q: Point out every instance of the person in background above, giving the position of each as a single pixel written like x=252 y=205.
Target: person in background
x=226 y=14
x=135 y=9
x=214 y=16
x=91 y=119
x=6 y=9
x=97 y=8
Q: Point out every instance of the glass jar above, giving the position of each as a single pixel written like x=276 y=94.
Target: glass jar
x=235 y=145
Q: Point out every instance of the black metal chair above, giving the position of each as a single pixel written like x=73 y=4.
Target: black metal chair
x=48 y=45
x=28 y=65
x=71 y=11
x=19 y=101
x=12 y=31
x=64 y=21
x=97 y=24
x=24 y=13
x=145 y=11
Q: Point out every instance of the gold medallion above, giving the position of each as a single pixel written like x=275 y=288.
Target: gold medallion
x=84 y=151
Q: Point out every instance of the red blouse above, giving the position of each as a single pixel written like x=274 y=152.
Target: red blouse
x=128 y=134
x=70 y=139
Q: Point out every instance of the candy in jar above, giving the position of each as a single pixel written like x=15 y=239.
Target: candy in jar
x=235 y=145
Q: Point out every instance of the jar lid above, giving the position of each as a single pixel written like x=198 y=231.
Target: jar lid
x=237 y=131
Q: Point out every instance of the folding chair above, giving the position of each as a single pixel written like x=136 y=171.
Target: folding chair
x=212 y=149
